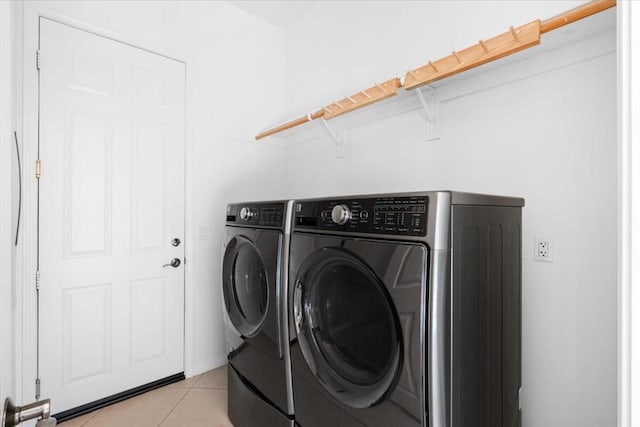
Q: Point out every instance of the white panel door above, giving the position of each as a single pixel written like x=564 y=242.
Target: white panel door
x=111 y=202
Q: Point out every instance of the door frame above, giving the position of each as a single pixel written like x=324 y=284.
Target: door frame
x=27 y=255
x=628 y=218
x=8 y=118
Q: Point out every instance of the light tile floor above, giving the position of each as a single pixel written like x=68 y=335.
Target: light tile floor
x=199 y=401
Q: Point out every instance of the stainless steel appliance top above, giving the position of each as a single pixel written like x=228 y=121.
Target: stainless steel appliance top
x=457 y=197
x=415 y=216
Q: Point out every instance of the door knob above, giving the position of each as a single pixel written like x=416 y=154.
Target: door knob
x=175 y=263
x=13 y=415
x=175 y=242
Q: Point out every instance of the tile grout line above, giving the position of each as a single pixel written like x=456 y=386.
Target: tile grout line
x=175 y=406
x=211 y=388
x=95 y=413
x=189 y=389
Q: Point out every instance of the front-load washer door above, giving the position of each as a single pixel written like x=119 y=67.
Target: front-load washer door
x=359 y=310
x=348 y=329
x=250 y=273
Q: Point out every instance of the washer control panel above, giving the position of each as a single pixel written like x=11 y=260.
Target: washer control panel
x=256 y=214
x=380 y=215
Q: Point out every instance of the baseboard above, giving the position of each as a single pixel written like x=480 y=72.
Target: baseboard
x=208 y=365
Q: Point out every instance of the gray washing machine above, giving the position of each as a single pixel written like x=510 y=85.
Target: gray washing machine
x=254 y=285
x=405 y=310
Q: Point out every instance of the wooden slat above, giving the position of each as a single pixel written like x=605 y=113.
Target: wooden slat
x=576 y=14
x=510 y=42
x=290 y=124
x=363 y=98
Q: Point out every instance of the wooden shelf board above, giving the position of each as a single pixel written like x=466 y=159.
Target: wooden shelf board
x=363 y=98
x=508 y=43
x=290 y=124
x=576 y=14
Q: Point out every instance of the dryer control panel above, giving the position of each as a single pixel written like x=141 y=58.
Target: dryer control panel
x=256 y=214
x=381 y=215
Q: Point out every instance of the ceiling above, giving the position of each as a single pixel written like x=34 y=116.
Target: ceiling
x=281 y=13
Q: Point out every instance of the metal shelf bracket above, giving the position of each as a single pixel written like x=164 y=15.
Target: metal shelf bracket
x=338 y=137
x=431 y=106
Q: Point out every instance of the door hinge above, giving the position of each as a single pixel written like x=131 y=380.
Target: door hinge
x=37 y=279
x=37 y=388
x=38 y=168
x=38 y=64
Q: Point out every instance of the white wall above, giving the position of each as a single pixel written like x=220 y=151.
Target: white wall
x=235 y=80
x=340 y=48
x=548 y=137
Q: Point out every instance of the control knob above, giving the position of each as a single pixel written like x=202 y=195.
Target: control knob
x=340 y=214
x=246 y=213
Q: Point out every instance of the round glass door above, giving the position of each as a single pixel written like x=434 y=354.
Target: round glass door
x=245 y=286
x=348 y=328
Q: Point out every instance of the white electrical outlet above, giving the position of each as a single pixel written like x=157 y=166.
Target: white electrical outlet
x=542 y=250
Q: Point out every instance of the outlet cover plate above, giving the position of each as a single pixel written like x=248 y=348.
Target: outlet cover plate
x=543 y=249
